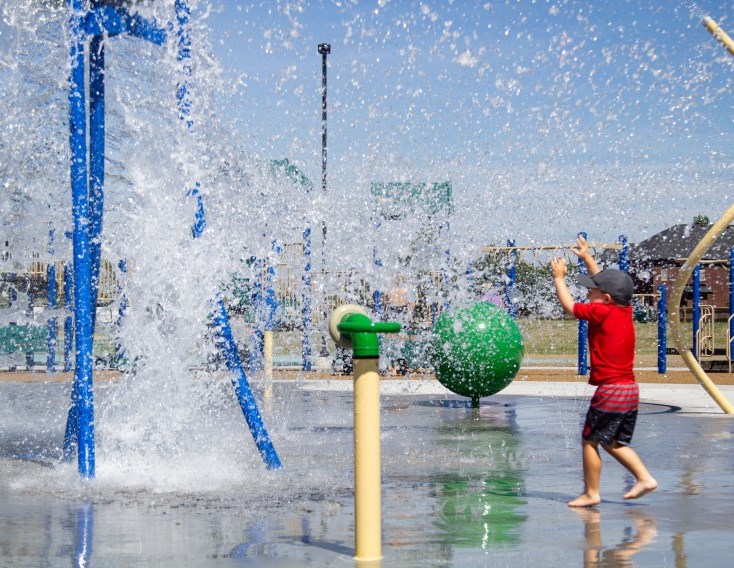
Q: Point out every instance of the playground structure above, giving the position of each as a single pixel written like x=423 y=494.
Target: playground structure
x=267 y=304
x=90 y=29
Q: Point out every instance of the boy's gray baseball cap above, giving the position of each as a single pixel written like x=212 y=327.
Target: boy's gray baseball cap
x=616 y=283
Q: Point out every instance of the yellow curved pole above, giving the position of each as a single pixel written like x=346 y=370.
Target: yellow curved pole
x=674 y=306
x=685 y=273
x=718 y=33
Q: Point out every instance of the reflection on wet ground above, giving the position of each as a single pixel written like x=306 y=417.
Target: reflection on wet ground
x=461 y=487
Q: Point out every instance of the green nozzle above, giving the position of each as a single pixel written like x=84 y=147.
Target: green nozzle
x=363 y=334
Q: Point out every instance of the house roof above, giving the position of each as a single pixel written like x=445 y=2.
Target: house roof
x=679 y=241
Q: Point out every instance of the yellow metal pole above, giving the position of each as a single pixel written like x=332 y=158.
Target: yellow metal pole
x=719 y=34
x=268 y=353
x=268 y=369
x=709 y=238
x=367 y=481
x=350 y=328
x=674 y=306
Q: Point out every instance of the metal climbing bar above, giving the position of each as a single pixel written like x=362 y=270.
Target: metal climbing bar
x=245 y=397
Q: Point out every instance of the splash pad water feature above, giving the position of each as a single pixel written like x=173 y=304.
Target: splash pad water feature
x=89 y=28
x=477 y=350
x=461 y=487
x=162 y=471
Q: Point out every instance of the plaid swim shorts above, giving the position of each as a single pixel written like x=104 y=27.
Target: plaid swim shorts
x=613 y=414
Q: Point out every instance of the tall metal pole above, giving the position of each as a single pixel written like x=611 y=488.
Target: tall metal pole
x=324 y=50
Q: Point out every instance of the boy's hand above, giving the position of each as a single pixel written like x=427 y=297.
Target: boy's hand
x=581 y=249
x=558 y=267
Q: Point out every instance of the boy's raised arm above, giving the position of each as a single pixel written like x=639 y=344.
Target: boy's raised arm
x=559 y=271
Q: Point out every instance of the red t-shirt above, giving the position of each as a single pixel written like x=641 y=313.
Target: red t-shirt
x=611 y=342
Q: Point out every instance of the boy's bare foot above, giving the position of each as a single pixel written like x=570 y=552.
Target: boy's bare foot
x=642 y=487
x=585 y=500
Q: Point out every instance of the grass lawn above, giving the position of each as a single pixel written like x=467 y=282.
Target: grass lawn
x=559 y=337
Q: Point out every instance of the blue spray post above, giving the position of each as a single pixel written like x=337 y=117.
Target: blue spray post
x=272 y=316
x=696 y=307
x=511 y=279
x=68 y=320
x=662 y=332
x=583 y=329
x=257 y=337
x=52 y=320
x=731 y=296
x=247 y=401
x=122 y=308
x=87 y=183
x=624 y=255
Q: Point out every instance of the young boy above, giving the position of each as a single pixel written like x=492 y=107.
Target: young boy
x=610 y=421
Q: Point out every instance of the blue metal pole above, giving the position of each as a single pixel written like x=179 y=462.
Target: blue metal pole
x=83 y=401
x=731 y=293
x=624 y=254
x=662 y=329
x=184 y=101
x=583 y=330
x=696 y=307
x=122 y=308
x=242 y=388
x=306 y=358
x=271 y=300
x=68 y=322
x=51 y=299
x=184 y=58
x=511 y=279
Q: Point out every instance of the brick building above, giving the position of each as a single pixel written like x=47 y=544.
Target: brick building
x=658 y=259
